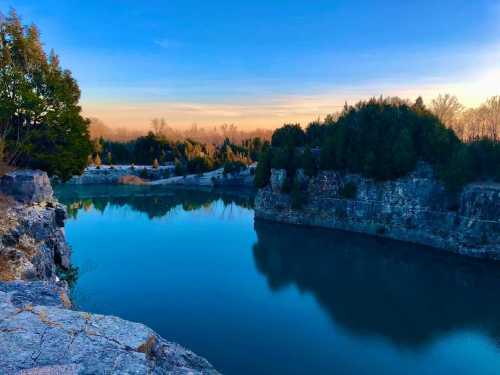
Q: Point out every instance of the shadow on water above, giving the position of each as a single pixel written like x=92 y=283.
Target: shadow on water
x=407 y=293
x=154 y=201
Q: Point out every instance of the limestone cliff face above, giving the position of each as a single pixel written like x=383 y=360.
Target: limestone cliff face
x=415 y=209
x=32 y=241
x=39 y=331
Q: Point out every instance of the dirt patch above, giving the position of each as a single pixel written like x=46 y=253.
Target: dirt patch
x=131 y=180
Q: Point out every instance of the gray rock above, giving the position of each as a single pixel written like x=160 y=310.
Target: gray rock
x=112 y=175
x=39 y=339
x=27 y=186
x=415 y=208
x=278 y=177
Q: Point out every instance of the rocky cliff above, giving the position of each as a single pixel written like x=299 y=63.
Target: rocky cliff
x=415 y=208
x=112 y=174
x=40 y=333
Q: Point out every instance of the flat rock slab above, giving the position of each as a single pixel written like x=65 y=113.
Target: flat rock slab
x=49 y=339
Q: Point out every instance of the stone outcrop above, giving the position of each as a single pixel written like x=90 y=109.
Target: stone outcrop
x=32 y=241
x=27 y=186
x=415 y=208
x=112 y=175
x=39 y=331
x=39 y=335
x=216 y=178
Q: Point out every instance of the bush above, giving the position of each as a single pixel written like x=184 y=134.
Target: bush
x=290 y=136
x=384 y=139
x=348 y=190
x=297 y=196
x=309 y=163
x=263 y=170
x=234 y=167
x=97 y=161
x=180 y=170
x=199 y=165
x=2 y=148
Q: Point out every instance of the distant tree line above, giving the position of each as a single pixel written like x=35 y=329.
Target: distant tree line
x=189 y=156
x=215 y=135
x=381 y=139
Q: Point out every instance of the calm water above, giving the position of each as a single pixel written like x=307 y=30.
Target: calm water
x=263 y=298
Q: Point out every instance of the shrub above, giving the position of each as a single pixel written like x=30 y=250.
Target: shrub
x=180 y=170
x=290 y=136
x=263 y=170
x=384 y=139
x=348 y=190
x=298 y=198
x=199 y=165
x=309 y=163
x=287 y=185
x=234 y=167
x=97 y=161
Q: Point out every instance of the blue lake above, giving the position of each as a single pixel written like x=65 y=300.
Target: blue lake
x=256 y=297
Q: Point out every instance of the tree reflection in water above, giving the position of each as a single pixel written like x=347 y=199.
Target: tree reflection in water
x=407 y=293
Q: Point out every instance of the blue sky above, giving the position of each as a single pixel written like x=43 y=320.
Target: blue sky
x=261 y=63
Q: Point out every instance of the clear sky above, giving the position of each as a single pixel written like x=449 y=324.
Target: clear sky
x=261 y=63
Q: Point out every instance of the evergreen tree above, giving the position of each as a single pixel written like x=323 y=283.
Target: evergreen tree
x=40 y=118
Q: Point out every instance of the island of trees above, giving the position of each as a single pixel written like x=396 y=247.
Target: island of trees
x=384 y=138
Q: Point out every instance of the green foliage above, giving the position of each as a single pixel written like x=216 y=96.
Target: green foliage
x=315 y=133
x=69 y=275
x=456 y=172
x=348 y=190
x=298 y=198
x=289 y=136
x=383 y=139
x=233 y=167
x=39 y=111
x=484 y=155
x=2 y=149
x=309 y=163
x=199 y=165
x=263 y=170
x=179 y=168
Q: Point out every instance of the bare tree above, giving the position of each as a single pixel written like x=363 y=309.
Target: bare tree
x=449 y=110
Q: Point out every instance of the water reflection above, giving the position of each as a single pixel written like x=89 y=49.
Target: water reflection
x=156 y=202
x=407 y=293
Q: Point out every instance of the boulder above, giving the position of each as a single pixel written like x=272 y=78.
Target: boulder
x=38 y=335
x=27 y=186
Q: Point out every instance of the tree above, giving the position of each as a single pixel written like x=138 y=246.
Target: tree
x=308 y=162
x=449 y=110
x=263 y=170
x=97 y=161
x=40 y=119
x=290 y=135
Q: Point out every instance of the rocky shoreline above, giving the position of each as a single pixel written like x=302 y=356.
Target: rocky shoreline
x=39 y=330
x=163 y=175
x=414 y=209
